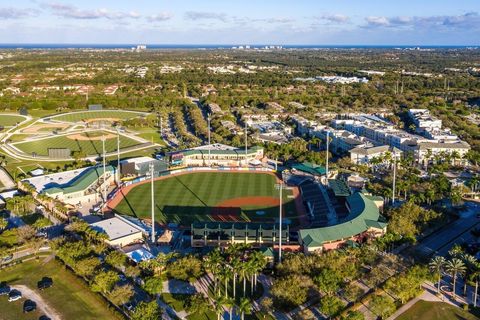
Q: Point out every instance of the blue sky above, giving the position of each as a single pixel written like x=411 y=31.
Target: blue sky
x=363 y=22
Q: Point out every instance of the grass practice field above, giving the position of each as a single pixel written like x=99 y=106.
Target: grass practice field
x=9 y=120
x=69 y=296
x=425 y=310
x=209 y=196
x=105 y=114
x=89 y=147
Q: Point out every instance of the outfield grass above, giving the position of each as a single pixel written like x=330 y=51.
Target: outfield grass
x=89 y=147
x=69 y=295
x=425 y=310
x=191 y=197
x=86 y=115
x=9 y=120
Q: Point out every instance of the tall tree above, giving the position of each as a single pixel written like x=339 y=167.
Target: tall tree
x=455 y=266
x=437 y=265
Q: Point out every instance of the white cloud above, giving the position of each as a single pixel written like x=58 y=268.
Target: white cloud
x=70 y=11
x=17 y=13
x=162 y=16
x=203 y=15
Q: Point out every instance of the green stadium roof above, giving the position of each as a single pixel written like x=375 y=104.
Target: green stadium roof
x=82 y=182
x=310 y=168
x=363 y=215
x=339 y=187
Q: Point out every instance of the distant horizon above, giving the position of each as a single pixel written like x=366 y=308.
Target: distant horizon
x=228 y=45
x=335 y=23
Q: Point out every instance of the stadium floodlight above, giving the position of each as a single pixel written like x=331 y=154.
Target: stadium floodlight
x=152 y=202
x=246 y=144
x=326 y=157
x=118 y=157
x=104 y=176
x=280 y=186
x=209 y=145
x=394 y=175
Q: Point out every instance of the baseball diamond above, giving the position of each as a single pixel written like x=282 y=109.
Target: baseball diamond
x=208 y=196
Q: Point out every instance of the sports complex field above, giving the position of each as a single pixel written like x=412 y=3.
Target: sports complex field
x=90 y=143
x=208 y=196
x=90 y=115
x=9 y=120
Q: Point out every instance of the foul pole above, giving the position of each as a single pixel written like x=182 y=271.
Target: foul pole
x=153 y=203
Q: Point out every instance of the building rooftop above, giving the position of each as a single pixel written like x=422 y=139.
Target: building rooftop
x=363 y=215
x=115 y=228
x=81 y=182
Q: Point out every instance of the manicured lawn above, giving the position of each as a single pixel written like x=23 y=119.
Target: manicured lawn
x=85 y=115
x=90 y=147
x=150 y=134
x=425 y=310
x=193 y=197
x=69 y=295
x=9 y=120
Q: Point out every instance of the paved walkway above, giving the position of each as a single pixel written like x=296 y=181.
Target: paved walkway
x=429 y=294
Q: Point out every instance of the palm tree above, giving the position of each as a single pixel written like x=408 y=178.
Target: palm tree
x=218 y=306
x=235 y=263
x=245 y=307
x=259 y=263
x=474 y=275
x=470 y=263
x=436 y=265
x=212 y=263
x=225 y=274
x=455 y=267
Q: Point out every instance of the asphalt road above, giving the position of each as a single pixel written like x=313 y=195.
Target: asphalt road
x=456 y=233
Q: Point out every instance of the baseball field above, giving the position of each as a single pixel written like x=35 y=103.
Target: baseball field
x=208 y=196
x=9 y=120
x=89 y=143
x=96 y=115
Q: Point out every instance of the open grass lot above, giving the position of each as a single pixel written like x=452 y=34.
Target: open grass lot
x=69 y=296
x=89 y=147
x=9 y=120
x=86 y=115
x=425 y=310
x=193 y=197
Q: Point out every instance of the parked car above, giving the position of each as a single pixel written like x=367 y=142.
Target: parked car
x=29 y=306
x=4 y=289
x=44 y=317
x=45 y=283
x=14 y=295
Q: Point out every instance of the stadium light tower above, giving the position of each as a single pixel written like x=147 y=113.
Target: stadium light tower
x=246 y=144
x=104 y=176
x=209 y=145
x=280 y=186
x=118 y=157
x=394 y=175
x=326 y=156
x=152 y=202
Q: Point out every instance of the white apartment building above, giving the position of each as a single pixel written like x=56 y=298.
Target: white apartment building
x=380 y=132
x=364 y=155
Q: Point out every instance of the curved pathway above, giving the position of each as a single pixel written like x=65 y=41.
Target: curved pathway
x=41 y=304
